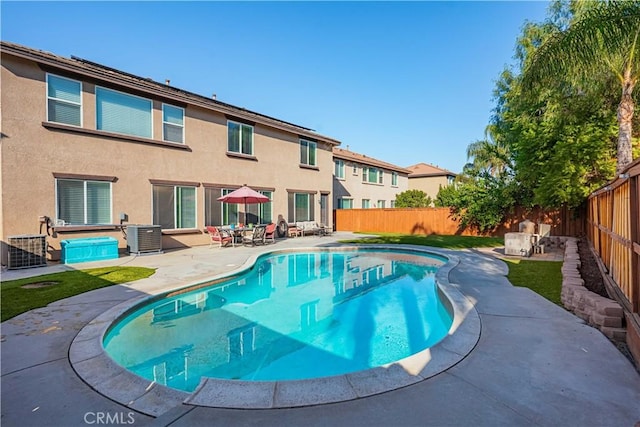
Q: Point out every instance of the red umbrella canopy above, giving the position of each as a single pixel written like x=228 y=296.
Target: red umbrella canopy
x=245 y=195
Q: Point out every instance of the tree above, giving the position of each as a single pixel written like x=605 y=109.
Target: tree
x=603 y=37
x=413 y=199
x=482 y=202
x=489 y=155
x=562 y=136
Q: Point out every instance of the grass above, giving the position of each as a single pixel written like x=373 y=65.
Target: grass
x=53 y=287
x=449 y=242
x=542 y=277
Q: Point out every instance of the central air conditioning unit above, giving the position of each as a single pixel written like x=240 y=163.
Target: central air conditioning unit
x=27 y=250
x=144 y=239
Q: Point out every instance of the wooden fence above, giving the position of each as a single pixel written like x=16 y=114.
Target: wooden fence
x=613 y=228
x=564 y=222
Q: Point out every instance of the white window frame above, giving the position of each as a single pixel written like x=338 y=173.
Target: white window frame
x=365 y=175
x=241 y=142
x=315 y=149
x=355 y=169
x=340 y=169
x=127 y=94
x=46 y=92
x=261 y=206
x=394 y=179
x=310 y=207
x=84 y=207
x=175 y=206
x=381 y=203
x=341 y=202
x=172 y=124
x=366 y=202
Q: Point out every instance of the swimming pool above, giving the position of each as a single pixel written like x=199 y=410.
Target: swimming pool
x=292 y=316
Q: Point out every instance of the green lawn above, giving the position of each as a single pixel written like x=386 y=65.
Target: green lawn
x=450 y=242
x=16 y=299
x=542 y=277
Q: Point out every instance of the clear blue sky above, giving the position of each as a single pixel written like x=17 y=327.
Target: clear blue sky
x=404 y=82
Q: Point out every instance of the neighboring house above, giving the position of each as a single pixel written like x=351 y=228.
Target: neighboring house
x=429 y=178
x=90 y=147
x=361 y=182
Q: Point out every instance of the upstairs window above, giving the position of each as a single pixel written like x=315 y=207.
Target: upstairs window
x=394 y=179
x=371 y=175
x=239 y=138
x=64 y=100
x=122 y=113
x=172 y=124
x=81 y=202
x=339 y=172
x=308 y=152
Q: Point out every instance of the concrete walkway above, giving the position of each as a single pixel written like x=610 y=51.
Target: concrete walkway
x=534 y=364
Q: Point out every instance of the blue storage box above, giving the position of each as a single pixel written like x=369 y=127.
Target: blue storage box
x=88 y=249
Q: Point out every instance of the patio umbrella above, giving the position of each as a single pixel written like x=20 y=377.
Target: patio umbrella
x=244 y=195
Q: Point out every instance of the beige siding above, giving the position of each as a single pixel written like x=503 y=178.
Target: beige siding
x=352 y=187
x=429 y=184
x=32 y=153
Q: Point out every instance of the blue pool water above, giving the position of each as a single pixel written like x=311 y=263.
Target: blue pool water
x=293 y=315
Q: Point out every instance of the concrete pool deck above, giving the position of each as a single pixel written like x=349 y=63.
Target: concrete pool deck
x=534 y=362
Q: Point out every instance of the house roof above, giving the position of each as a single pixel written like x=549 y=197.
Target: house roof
x=423 y=170
x=340 y=153
x=94 y=71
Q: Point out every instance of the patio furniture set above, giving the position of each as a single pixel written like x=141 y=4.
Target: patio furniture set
x=306 y=228
x=260 y=234
x=251 y=236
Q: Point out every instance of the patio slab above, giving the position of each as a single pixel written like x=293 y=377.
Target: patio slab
x=534 y=363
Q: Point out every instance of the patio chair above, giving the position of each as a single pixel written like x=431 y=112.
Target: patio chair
x=325 y=230
x=254 y=237
x=219 y=236
x=270 y=233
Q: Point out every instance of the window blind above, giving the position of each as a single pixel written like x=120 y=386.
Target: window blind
x=122 y=113
x=64 y=100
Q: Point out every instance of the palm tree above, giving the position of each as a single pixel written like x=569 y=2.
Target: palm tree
x=604 y=37
x=489 y=154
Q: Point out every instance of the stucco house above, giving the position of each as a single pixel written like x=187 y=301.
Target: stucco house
x=87 y=149
x=362 y=182
x=429 y=178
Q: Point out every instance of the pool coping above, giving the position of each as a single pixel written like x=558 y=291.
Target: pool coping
x=91 y=363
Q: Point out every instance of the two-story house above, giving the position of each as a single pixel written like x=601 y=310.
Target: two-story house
x=429 y=178
x=362 y=182
x=86 y=147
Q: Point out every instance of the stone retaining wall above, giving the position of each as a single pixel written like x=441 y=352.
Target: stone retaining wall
x=600 y=312
x=552 y=242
